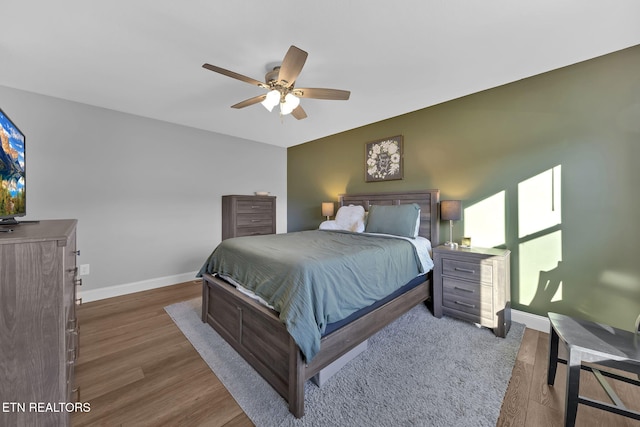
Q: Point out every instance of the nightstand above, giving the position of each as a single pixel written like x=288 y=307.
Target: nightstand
x=474 y=285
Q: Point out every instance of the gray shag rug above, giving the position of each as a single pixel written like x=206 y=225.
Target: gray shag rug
x=418 y=371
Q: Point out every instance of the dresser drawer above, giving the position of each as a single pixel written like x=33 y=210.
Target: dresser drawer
x=253 y=206
x=473 y=271
x=70 y=379
x=253 y=231
x=254 y=220
x=466 y=297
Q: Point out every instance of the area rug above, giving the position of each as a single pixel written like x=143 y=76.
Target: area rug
x=419 y=370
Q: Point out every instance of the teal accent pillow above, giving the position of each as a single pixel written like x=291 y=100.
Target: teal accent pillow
x=399 y=220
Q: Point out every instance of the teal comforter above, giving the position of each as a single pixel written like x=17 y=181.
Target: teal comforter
x=313 y=278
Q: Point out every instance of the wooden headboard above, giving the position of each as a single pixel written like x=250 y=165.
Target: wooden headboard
x=427 y=200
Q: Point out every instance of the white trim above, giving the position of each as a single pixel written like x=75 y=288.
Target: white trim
x=129 y=288
x=533 y=321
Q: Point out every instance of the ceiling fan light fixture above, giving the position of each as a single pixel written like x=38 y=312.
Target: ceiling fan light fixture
x=272 y=99
x=280 y=83
x=290 y=103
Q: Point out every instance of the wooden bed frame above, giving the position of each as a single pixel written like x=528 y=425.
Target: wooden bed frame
x=257 y=334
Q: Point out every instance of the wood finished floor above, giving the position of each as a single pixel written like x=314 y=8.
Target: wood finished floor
x=137 y=369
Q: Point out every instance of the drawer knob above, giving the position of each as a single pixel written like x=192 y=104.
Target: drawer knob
x=458 y=288
x=76 y=392
x=464 y=270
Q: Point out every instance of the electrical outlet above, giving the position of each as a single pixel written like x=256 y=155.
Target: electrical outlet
x=84 y=269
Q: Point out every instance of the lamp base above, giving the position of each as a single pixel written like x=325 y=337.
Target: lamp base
x=451 y=243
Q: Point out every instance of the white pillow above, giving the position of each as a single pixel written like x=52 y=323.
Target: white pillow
x=350 y=218
x=329 y=225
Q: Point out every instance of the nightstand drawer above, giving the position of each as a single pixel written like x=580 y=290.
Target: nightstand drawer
x=468 y=298
x=475 y=272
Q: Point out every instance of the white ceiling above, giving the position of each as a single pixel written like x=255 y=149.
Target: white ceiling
x=145 y=57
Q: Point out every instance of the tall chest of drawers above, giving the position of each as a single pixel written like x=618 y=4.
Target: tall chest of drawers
x=474 y=285
x=248 y=216
x=38 y=325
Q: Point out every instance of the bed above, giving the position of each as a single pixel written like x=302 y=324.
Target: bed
x=259 y=335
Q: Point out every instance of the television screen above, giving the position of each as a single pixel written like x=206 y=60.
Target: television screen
x=12 y=171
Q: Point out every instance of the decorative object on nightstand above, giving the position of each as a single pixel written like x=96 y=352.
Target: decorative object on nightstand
x=450 y=210
x=474 y=285
x=465 y=242
x=327 y=209
x=248 y=216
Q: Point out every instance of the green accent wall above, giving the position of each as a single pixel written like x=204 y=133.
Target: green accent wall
x=546 y=166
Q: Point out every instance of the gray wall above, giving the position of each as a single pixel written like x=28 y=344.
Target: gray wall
x=146 y=193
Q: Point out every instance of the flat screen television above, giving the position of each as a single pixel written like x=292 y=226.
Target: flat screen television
x=12 y=172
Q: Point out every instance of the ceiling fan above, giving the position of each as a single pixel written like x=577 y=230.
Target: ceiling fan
x=280 y=83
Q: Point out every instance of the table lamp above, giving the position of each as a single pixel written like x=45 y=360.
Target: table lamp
x=327 y=209
x=450 y=210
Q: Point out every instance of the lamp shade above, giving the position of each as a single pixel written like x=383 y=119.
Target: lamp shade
x=327 y=209
x=290 y=103
x=450 y=210
x=271 y=100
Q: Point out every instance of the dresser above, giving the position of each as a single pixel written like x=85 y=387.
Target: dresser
x=248 y=216
x=38 y=324
x=474 y=285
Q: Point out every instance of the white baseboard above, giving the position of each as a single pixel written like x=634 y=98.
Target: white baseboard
x=129 y=288
x=533 y=321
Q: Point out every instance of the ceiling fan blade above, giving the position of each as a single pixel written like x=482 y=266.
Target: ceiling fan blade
x=299 y=113
x=319 y=93
x=292 y=65
x=234 y=75
x=249 y=101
